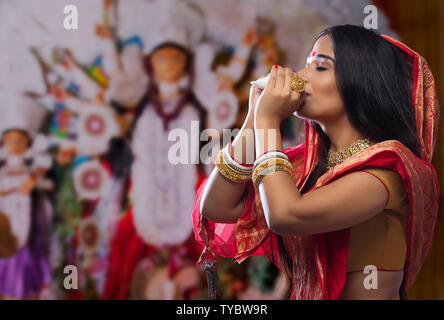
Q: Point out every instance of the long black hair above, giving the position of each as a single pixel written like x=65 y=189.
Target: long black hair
x=375 y=79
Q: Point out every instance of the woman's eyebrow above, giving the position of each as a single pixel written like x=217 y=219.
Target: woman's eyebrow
x=325 y=56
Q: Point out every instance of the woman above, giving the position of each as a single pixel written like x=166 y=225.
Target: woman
x=359 y=193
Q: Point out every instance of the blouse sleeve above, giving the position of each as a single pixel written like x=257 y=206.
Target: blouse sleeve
x=392 y=181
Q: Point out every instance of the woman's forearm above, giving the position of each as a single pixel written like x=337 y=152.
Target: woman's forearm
x=243 y=147
x=222 y=199
x=277 y=191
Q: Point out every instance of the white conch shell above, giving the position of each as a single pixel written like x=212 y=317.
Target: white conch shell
x=261 y=82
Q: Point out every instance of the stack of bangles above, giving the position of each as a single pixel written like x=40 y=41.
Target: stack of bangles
x=230 y=168
x=267 y=163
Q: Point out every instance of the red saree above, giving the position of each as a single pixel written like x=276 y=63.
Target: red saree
x=319 y=261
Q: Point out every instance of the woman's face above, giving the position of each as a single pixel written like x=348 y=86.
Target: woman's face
x=15 y=142
x=168 y=64
x=323 y=102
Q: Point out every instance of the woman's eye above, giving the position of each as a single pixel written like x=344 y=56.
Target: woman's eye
x=319 y=68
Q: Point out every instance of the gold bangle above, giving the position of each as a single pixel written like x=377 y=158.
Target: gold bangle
x=227 y=172
x=230 y=163
x=271 y=162
x=222 y=159
x=267 y=157
x=270 y=170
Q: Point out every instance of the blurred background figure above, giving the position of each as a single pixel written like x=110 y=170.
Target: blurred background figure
x=24 y=207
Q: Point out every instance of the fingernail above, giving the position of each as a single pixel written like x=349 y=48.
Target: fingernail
x=275 y=66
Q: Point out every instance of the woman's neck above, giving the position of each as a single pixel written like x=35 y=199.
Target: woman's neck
x=341 y=134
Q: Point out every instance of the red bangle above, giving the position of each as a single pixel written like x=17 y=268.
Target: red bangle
x=242 y=164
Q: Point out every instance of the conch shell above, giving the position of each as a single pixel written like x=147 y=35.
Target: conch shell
x=261 y=82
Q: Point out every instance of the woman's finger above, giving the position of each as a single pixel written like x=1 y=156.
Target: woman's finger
x=280 y=78
x=289 y=76
x=255 y=93
x=296 y=97
x=272 y=81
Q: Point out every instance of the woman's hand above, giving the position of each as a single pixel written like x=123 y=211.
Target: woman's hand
x=255 y=93
x=278 y=100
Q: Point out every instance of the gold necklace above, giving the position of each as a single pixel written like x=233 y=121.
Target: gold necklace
x=336 y=157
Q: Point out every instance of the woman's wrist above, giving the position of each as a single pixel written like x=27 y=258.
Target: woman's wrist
x=243 y=158
x=266 y=122
x=249 y=119
x=267 y=134
x=242 y=147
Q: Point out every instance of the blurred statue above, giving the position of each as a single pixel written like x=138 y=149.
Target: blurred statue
x=25 y=211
